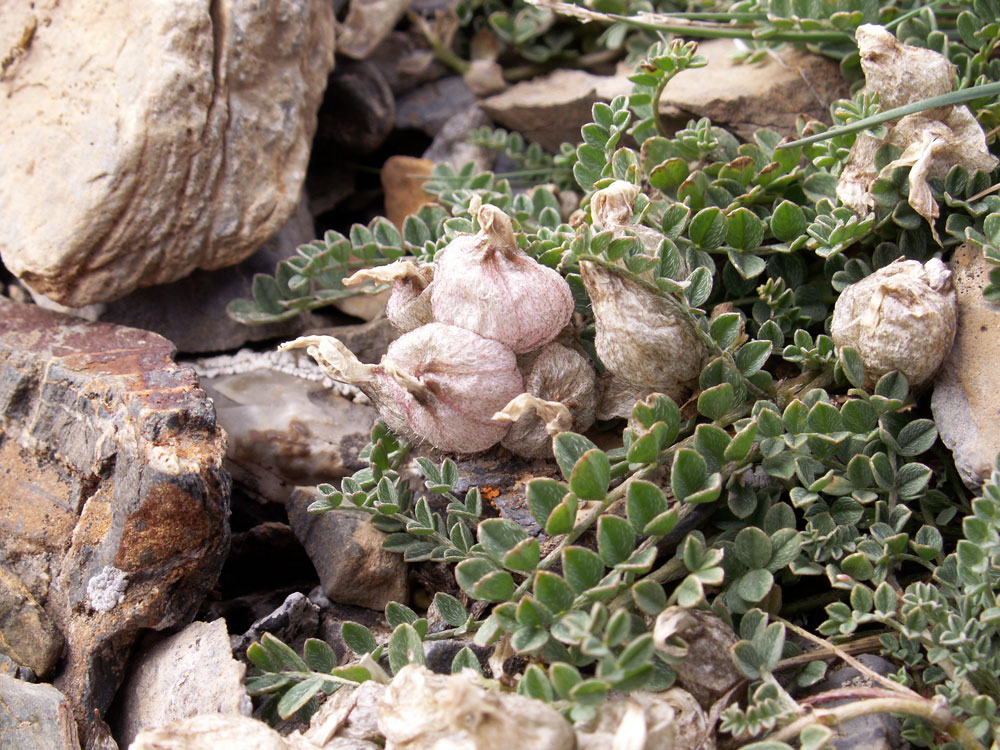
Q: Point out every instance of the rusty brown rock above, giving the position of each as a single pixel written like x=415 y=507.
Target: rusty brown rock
x=113 y=500
x=27 y=634
x=403 y=179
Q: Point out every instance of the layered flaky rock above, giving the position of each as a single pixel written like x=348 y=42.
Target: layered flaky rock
x=113 y=501
x=169 y=136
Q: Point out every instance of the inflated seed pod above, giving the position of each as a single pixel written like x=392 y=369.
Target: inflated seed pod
x=438 y=384
x=612 y=209
x=641 y=339
x=902 y=317
x=409 y=304
x=558 y=376
x=488 y=285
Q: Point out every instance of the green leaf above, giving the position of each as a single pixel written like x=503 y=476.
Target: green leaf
x=568 y=448
x=649 y=597
x=524 y=557
x=615 y=539
x=297 y=696
x=748 y=266
x=701 y=286
x=552 y=591
x=534 y=684
x=268 y=683
x=397 y=614
x=754 y=585
x=916 y=437
x=745 y=231
x=562 y=519
x=355 y=673
x=715 y=402
x=529 y=639
x=498 y=536
x=282 y=654
x=497 y=586
x=451 y=609
x=465 y=659
x=261 y=659
x=591 y=475
x=788 y=222
x=726 y=328
x=405 y=647
x=644 y=502
x=739 y=447
x=319 y=656
x=753 y=547
x=582 y=568
x=752 y=356
x=589 y=692
x=689 y=473
x=854 y=367
x=358 y=638
x=543 y=497
x=469 y=572
x=564 y=678
x=267 y=295
x=708 y=228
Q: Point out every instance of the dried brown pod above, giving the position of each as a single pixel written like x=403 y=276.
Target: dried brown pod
x=409 y=303
x=902 y=317
x=422 y=710
x=487 y=284
x=698 y=643
x=641 y=338
x=641 y=720
x=932 y=142
x=560 y=395
x=439 y=384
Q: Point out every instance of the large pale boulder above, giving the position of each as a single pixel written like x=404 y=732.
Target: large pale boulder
x=145 y=140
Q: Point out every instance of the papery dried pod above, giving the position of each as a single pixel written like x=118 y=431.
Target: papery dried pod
x=641 y=338
x=488 y=285
x=901 y=73
x=902 y=317
x=698 y=644
x=558 y=377
x=439 y=384
x=611 y=207
x=409 y=304
x=422 y=710
x=641 y=720
x=615 y=399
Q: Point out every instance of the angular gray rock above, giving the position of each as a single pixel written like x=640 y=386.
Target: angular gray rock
x=27 y=634
x=966 y=398
x=430 y=106
x=35 y=717
x=346 y=550
x=145 y=140
x=192 y=672
x=113 y=500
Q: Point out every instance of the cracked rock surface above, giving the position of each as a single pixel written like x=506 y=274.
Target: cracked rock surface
x=171 y=136
x=113 y=501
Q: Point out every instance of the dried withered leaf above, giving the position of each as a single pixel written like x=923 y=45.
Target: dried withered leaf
x=902 y=317
x=901 y=73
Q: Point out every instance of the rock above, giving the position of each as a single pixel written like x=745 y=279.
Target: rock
x=211 y=732
x=704 y=666
x=293 y=622
x=451 y=144
x=346 y=550
x=192 y=672
x=403 y=180
x=358 y=111
x=671 y=720
x=11 y=668
x=406 y=61
x=285 y=430
x=966 y=398
x=438 y=655
x=551 y=109
x=422 y=710
x=250 y=565
x=27 y=634
x=430 y=106
x=169 y=136
x=502 y=482
x=872 y=732
x=35 y=717
x=113 y=500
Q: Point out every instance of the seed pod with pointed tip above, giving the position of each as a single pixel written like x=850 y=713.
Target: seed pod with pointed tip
x=641 y=339
x=559 y=376
x=488 y=285
x=439 y=384
x=902 y=317
x=409 y=304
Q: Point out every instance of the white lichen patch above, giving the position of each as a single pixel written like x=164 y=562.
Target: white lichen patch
x=106 y=590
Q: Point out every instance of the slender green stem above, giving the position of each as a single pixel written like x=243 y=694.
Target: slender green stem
x=911 y=13
x=945 y=100
x=718 y=31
